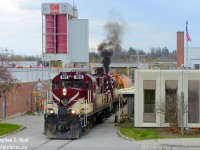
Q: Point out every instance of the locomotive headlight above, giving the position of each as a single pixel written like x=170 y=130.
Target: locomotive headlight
x=73 y=111
x=51 y=111
x=64 y=91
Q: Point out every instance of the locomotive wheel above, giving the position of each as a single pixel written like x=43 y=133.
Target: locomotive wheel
x=101 y=118
x=116 y=118
x=90 y=124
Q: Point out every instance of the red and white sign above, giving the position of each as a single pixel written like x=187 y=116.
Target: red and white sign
x=54 y=8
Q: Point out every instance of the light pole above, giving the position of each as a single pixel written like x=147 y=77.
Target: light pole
x=137 y=56
x=131 y=66
x=93 y=61
x=49 y=69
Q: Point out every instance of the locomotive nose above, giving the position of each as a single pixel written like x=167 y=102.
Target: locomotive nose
x=73 y=94
x=67 y=96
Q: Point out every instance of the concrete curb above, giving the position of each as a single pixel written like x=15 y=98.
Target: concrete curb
x=161 y=144
x=18 y=130
x=184 y=146
x=127 y=138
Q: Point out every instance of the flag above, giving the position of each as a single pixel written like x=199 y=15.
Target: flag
x=187 y=35
x=140 y=65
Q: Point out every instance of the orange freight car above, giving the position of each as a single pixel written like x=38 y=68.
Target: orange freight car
x=122 y=81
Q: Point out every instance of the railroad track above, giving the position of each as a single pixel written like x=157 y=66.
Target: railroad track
x=47 y=142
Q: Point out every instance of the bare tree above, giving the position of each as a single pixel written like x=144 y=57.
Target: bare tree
x=172 y=109
x=5 y=56
x=6 y=79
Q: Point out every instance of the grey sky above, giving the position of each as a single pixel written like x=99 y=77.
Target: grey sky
x=148 y=23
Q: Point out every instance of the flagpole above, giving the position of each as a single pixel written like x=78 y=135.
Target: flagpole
x=186 y=90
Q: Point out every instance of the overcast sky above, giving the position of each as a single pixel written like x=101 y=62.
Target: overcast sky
x=148 y=23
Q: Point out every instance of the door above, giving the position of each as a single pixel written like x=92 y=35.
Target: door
x=3 y=107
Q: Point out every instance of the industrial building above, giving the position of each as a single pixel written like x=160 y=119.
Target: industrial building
x=64 y=37
x=152 y=89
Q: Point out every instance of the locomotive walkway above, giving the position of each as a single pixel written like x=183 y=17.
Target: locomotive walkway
x=37 y=121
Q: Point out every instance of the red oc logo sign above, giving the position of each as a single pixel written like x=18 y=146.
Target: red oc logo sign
x=54 y=8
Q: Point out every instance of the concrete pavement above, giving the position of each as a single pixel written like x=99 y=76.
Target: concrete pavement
x=29 y=120
x=175 y=142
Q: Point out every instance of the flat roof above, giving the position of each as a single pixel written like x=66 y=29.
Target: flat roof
x=126 y=91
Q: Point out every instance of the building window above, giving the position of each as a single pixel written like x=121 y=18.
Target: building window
x=171 y=101
x=149 y=101
x=193 y=101
x=196 y=66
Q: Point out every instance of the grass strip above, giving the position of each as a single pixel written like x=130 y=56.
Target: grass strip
x=151 y=133
x=139 y=134
x=6 y=128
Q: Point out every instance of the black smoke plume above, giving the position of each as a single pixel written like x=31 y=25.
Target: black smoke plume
x=112 y=43
x=106 y=54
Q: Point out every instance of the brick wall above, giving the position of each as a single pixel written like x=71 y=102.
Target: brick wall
x=180 y=49
x=19 y=99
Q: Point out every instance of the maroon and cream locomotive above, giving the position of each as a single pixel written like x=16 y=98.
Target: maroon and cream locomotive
x=79 y=100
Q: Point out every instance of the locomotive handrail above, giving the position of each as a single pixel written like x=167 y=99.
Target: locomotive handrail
x=86 y=113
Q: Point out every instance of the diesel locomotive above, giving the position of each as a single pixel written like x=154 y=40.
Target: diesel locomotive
x=80 y=99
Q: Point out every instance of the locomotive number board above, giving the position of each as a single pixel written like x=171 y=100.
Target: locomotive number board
x=64 y=76
x=78 y=76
